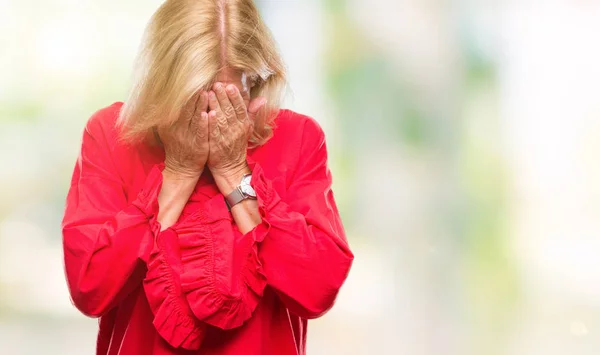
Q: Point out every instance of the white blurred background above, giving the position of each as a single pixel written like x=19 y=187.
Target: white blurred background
x=464 y=139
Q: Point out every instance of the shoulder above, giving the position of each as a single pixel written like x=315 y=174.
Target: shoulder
x=103 y=122
x=294 y=126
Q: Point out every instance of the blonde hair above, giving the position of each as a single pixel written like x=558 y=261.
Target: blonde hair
x=185 y=45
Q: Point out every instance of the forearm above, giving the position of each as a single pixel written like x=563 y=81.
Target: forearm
x=245 y=214
x=175 y=192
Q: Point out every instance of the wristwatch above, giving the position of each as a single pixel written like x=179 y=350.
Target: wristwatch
x=242 y=192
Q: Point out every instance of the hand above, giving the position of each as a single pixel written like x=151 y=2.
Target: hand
x=230 y=124
x=186 y=141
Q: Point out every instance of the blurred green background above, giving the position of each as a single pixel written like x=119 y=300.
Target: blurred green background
x=464 y=139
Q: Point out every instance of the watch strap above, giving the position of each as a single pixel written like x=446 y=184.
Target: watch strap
x=235 y=197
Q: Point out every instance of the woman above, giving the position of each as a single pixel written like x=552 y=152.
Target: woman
x=200 y=217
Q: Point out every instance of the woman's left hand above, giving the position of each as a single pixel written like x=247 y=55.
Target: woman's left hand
x=230 y=124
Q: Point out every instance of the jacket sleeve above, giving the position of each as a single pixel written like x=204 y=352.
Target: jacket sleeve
x=107 y=241
x=304 y=253
x=173 y=317
x=201 y=265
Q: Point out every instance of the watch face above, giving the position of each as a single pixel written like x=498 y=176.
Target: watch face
x=245 y=186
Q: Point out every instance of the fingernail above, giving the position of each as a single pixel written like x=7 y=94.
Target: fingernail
x=218 y=86
x=212 y=95
x=231 y=89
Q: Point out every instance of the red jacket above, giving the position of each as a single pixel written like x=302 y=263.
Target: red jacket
x=201 y=286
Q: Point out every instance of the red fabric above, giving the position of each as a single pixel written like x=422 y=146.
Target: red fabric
x=201 y=286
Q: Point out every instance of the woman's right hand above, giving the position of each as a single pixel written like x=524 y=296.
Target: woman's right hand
x=186 y=141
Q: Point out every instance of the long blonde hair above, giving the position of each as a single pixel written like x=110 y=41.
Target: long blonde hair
x=185 y=45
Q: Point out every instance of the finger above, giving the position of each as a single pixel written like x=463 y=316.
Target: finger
x=224 y=102
x=236 y=99
x=249 y=128
x=214 y=105
x=255 y=105
x=203 y=126
x=195 y=120
x=202 y=104
x=213 y=125
x=189 y=108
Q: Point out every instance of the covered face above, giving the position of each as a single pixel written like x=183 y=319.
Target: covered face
x=190 y=45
